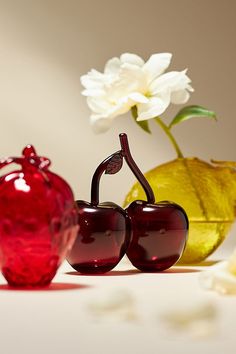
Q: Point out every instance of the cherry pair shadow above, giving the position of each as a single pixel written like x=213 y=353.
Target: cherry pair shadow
x=112 y=273
x=51 y=287
x=180 y=270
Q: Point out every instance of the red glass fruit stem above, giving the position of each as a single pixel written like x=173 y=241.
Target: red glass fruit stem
x=29 y=151
x=31 y=158
x=134 y=168
x=97 y=176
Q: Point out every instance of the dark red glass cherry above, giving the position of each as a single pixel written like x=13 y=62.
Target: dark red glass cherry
x=158 y=234
x=103 y=234
x=38 y=221
x=158 y=230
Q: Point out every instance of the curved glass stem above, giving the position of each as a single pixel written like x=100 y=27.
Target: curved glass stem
x=134 y=168
x=97 y=176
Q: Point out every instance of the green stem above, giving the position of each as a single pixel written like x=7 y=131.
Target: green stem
x=170 y=136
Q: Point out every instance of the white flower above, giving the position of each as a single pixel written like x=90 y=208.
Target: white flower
x=128 y=81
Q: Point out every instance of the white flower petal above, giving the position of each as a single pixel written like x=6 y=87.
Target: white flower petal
x=130 y=80
x=92 y=79
x=123 y=106
x=155 y=107
x=98 y=105
x=132 y=59
x=96 y=74
x=157 y=64
x=112 y=66
x=172 y=81
x=190 y=88
x=100 y=124
x=125 y=103
x=219 y=279
x=95 y=92
x=179 y=97
x=137 y=97
x=112 y=111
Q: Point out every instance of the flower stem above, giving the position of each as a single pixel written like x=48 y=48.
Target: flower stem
x=170 y=136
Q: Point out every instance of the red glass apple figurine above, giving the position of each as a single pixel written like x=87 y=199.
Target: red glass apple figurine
x=158 y=230
x=104 y=232
x=38 y=221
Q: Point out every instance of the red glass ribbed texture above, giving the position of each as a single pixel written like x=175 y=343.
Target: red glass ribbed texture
x=38 y=225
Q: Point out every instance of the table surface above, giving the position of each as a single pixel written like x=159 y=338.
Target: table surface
x=120 y=312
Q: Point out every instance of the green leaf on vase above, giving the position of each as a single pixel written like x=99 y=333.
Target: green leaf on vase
x=192 y=112
x=143 y=124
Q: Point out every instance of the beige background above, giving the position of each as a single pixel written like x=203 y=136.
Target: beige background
x=45 y=46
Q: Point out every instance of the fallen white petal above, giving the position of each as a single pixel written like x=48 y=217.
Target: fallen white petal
x=219 y=279
x=231 y=266
x=195 y=318
x=118 y=304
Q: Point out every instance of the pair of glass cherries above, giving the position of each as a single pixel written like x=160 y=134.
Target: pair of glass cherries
x=41 y=225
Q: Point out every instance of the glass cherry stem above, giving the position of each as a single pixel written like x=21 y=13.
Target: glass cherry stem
x=97 y=176
x=134 y=168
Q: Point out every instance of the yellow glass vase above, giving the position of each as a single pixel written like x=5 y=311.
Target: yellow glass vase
x=206 y=191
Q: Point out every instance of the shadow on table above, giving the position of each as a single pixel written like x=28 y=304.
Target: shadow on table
x=112 y=273
x=192 y=268
x=181 y=270
x=51 y=287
